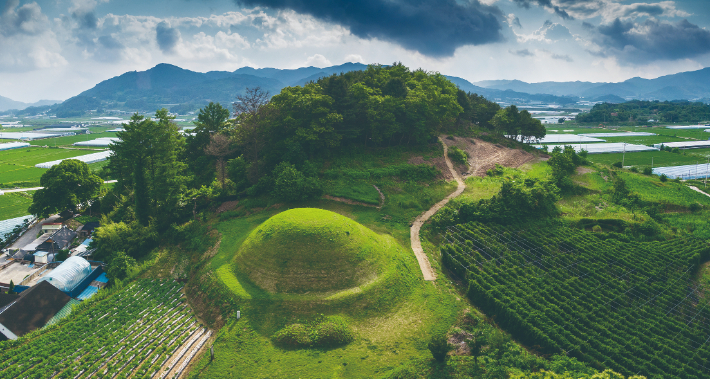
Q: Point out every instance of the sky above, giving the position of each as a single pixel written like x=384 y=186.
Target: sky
x=55 y=49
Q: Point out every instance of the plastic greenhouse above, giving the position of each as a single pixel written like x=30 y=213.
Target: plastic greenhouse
x=68 y=274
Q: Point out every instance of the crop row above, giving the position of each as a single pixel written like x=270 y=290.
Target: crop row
x=126 y=334
x=628 y=306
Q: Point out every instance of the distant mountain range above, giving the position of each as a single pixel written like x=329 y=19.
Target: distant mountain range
x=689 y=85
x=183 y=91
x=6 y=104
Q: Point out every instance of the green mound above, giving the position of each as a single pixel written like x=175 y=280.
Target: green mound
x=313 y=251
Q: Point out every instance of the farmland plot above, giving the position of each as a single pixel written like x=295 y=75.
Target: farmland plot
x=142 y=331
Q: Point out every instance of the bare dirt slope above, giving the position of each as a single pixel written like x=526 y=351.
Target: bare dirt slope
x=484 y=156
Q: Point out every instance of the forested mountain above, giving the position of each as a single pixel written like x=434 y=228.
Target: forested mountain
x=682 y=86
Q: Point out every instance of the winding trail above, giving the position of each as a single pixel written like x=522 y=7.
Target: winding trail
x=424 y=264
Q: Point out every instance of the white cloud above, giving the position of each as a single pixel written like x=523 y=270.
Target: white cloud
x=318 y=60
x=354 y=58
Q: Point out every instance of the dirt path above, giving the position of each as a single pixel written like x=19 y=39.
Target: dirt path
x=427 y=271
x=694 y=188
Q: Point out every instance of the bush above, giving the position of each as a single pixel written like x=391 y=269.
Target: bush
x=457 y=155
x=663 y=178
x=291 y=185
x=330 y=331
x=616 y=164
x=597 y=229
x=634 y=169
x=647 y=171
x=694 y=207
x=439 y=347
x=675 y=150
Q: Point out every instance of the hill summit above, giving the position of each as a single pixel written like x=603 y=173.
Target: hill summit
x=308 y=250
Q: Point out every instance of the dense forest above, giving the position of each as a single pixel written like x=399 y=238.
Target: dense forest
x=637 y=111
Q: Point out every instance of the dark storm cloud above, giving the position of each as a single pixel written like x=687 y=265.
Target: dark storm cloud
x=166 y=37
x=86 y=20
x=545 y=4
x=522 y=53
x=653 y=39
x=432 y=27
x=588 y=26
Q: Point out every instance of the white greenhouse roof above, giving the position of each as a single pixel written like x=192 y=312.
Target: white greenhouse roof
x=618 y=134
x=89 y=158
x=59 y=130
x=68 y=274
x=564 y=138
x=693 y=171
x=117 y=130
x=13 y=145
x=100 y=142
x=8 y=225
x=30 y=136
x=685 y=144
x=602 y=148
x=688 y=127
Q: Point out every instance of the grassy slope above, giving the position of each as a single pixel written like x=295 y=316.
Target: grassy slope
x=14 y=205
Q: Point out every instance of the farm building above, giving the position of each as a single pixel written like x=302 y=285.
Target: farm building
x=602 y=148
x=89 y=158
x=51 y=227
x=83 y=249
x=69 y=274
x=563 y=138
x=31 y=310
x=688 y=127
x=693 y=171
x=87 y=229
x=13 y=145
x=685 y=144
x=61 y=239
x=99 y=142
x=7 y=226
x=618 y=134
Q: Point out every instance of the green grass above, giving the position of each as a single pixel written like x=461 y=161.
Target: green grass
x=17 y=166
x=314 y=251
x=643 y=158
x=70 y=140
x=14 y=204
x=354 y=190
x=650 y=188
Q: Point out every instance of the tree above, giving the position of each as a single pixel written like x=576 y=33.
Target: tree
x=67 y=185
x=119 y=265
x=146 y=162
x=220 y=147
x=250 y=111
x=291 y=185
x=11 y=289
x=211 y=119
x=439 y=347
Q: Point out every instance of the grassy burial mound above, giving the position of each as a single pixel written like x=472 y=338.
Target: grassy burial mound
x=316 y=253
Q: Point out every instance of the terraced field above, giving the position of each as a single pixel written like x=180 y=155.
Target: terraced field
x=143 y=331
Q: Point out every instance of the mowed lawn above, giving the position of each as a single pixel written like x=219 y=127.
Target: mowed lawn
x=17 y=166
x=14 y=204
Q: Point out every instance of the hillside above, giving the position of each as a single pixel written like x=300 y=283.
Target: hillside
x=7 y=104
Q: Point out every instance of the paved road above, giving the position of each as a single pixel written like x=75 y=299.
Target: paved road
x=31 y=234
x=39 y=188
x=424 y=264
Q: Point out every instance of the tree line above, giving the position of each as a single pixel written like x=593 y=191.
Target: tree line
x=638 y=111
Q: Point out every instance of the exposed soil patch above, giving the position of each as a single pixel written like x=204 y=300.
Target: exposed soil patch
x=484 y=156
x=227 y=206
x=584 y=170
x=458 y=341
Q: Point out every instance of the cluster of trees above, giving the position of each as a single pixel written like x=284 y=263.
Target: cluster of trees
x=642 y=111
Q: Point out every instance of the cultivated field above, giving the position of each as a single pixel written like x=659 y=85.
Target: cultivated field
x=17 y=166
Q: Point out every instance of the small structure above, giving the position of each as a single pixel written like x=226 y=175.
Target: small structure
x=51 y=227
x=87 y=229
x=69 y=274
x=31 y=310
x=42 y=257
x=59 y=240
x=83 y=249
x=30 y=248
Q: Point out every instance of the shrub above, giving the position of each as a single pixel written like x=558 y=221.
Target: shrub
x=694 y=207
x=647 y=171
x=597 y=229
x=497 y=170
x=324 y=331
x=457 y=155
x=634 y=169
x=663 y=177
x=675 y=150
x=616 y=164
x=291 y=185
x=439 y=347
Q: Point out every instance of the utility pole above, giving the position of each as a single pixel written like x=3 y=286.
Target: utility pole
x=623 y=156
